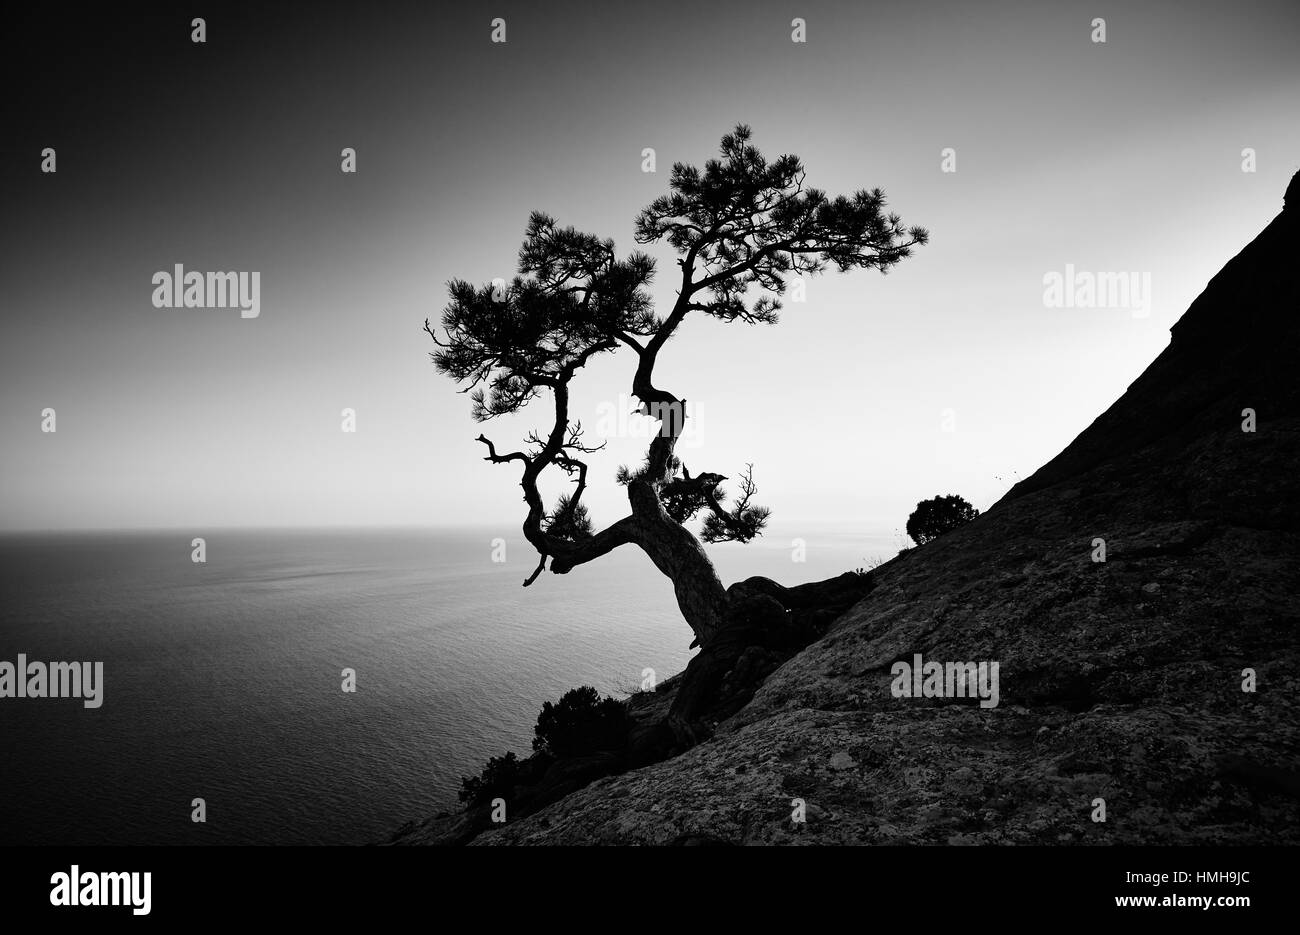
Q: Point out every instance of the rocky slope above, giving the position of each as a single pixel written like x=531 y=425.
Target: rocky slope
x=1119 y=680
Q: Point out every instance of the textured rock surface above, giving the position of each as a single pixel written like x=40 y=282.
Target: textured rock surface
x=1120 y=680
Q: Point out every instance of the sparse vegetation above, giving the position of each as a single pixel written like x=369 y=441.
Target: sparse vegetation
x=579 y=724
x=871 y=565
x=497 y=780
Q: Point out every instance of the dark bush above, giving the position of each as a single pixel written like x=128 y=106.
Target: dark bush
x=932 y=518
x=496 y=781
x=581 y=723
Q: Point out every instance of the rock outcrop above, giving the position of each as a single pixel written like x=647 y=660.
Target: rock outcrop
x=1120 y=680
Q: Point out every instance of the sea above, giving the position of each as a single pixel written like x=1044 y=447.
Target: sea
x=224 y=680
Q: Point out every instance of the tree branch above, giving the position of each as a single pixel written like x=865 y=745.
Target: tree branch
x=501 y=459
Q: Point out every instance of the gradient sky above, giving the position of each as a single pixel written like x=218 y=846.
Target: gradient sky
x=225 y=156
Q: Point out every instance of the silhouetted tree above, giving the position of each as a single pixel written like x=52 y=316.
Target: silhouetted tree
x=741 y=224
x=581 y=722
x=498 y=778
x=933 y=517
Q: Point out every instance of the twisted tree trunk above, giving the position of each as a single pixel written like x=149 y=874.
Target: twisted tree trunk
x=701 y=597
x=672 y=548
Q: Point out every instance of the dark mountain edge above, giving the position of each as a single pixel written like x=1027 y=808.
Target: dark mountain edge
x=1120 y=680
